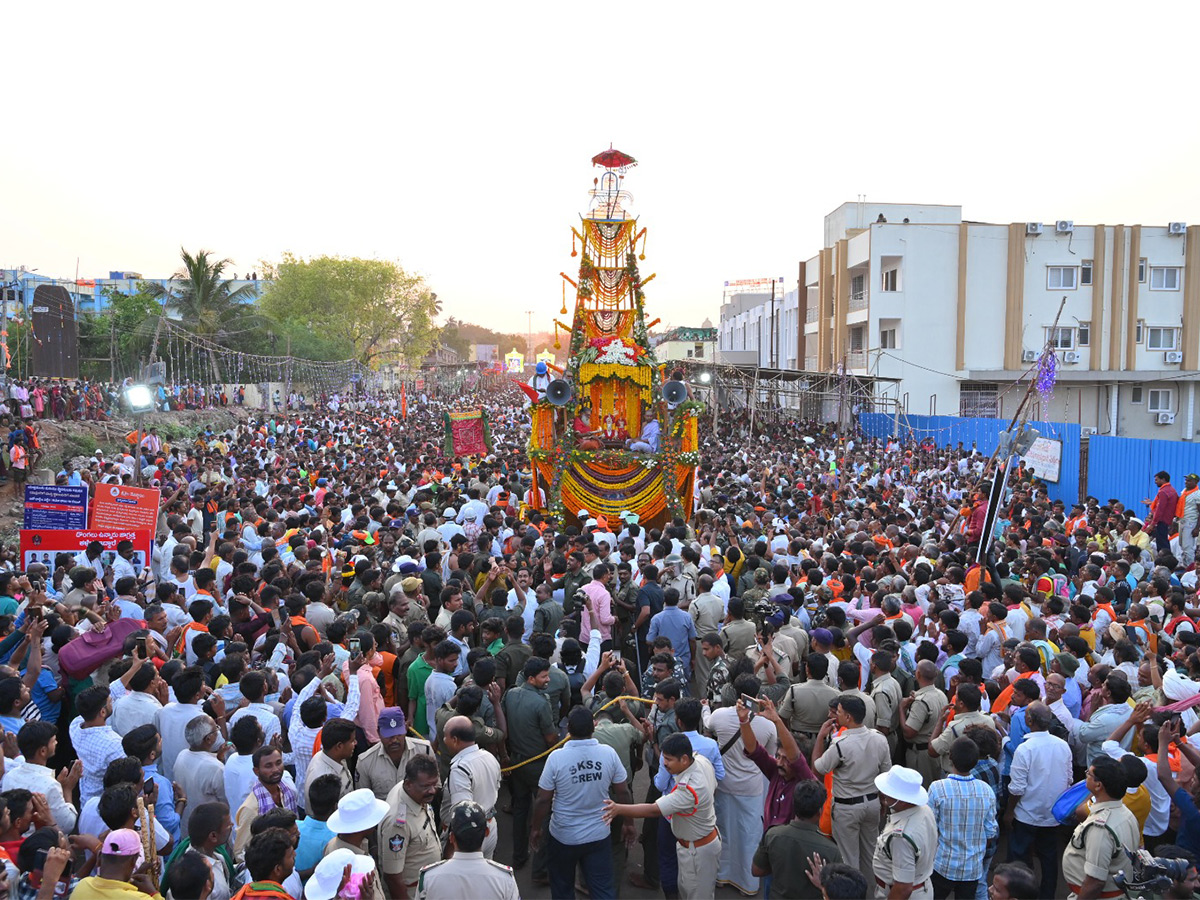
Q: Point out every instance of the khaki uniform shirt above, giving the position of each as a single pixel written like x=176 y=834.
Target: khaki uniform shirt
x=323 y=765
x=408 y=838
x=855 y=757
x=805 y=706
x=377 y=771
x=926 y=710
x=737 y=637
x=869 y=718
x=690 y=805
x=474 y=775
x=886 y=696
x=905 y=849
x=1097 y=847
x=952 y=732
x=467 y=875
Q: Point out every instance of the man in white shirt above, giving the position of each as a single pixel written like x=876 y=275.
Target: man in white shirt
x=38 y=741
x=1041 y=771
x=172 y=720
x=137 y=701
x=198 y=769
x=254 y=686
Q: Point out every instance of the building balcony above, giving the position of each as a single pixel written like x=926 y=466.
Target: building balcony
x=810 y=364
x=856 y=359
x=810 y=314
x=859 y=300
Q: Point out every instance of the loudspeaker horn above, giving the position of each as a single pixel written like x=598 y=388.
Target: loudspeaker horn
x=674 y=391
x=559 y=392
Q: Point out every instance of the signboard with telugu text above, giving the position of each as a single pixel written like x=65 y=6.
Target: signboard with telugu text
x=121 y=506
x=41 y=545
x=1044 y=458
x=55 y=506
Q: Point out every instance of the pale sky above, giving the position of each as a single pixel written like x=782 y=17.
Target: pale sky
x=456 y=138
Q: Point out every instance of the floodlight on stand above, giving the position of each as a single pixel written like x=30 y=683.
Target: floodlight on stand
x=140 y=398
x=705 y=377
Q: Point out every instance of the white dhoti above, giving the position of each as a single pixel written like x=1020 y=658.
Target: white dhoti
x=740 y=821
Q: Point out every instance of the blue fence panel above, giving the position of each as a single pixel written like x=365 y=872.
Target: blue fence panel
x=1121 y=468
x=983 y=434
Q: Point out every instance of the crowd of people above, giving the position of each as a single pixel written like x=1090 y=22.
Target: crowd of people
x=358 y=668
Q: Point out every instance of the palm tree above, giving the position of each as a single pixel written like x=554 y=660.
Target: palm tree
x=200 y=293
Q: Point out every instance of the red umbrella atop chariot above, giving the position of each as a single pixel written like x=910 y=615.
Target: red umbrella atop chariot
x=613 y=159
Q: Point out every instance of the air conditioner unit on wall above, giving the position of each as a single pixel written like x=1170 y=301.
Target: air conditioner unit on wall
x=1071 y=356
x=1087 y=430
x=1029 y=356
x=1166 y=418
x=1033 y=228
x=1177 y=228
x=1064 y=226
x=1173 y=356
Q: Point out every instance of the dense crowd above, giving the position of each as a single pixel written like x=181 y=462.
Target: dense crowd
x=357 y=668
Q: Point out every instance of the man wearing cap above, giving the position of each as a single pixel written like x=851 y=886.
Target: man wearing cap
x=118 y=858
x=468 y=872
x=326 y=881
x=381 y=767
x=904 y=851
x=1187 y=510
x=673 y=576
x=408 y=837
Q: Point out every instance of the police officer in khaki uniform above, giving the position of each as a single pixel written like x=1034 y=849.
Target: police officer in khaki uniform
x=885 y=694
x=691 y=807
x=919 y=715
x=408 y=837
x=1096 y=851
x=805 y=707
x=967 y=700
x=383 y=765
x=905 y=848
x=467 y=873
x=847 y=677
x=474 y=775
x=855 y=757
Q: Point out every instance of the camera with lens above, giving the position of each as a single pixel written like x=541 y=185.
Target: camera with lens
x=1154 y=874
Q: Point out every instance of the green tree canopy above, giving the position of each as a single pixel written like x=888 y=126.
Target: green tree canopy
x=383 y=313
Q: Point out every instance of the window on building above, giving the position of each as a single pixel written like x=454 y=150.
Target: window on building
x=697 y=351
x=1061 y=278
x=1061 y=338
x=1139 y=333
x=1142 y=270
x=1164 y=278
x=1085 y=272
x=979 y=399
x=856 y=339
x=1160 y=400
x=689 y=354
x=1135 y=395
x=1083 y=335
x=1162 y=338
x=891 y=280
x=887 y=338
x=858 y=287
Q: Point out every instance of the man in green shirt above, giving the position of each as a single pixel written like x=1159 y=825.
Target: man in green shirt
x=418 y=674
x=785 y=850
x=531 y=732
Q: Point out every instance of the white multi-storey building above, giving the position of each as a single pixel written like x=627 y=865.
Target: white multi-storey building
x=756 y=331
x=947 y=314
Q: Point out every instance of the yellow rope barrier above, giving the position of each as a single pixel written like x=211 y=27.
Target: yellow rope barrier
x=550 y=750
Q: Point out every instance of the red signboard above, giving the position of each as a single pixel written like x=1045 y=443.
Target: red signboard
x=119 y=506
x=40 y=545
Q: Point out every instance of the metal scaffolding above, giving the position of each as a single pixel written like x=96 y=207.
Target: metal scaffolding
x=774 y=395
